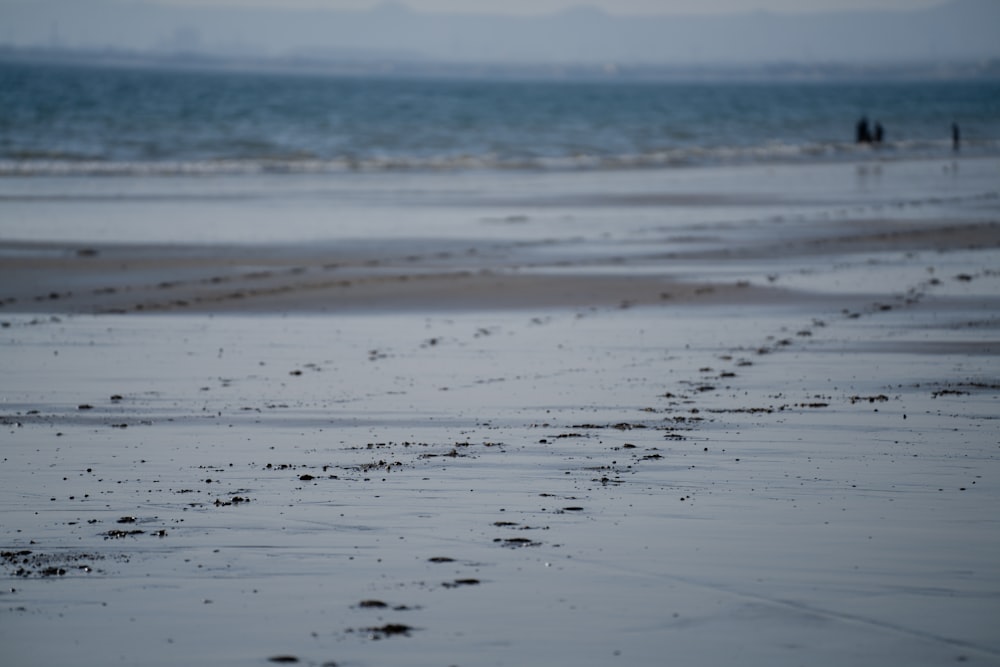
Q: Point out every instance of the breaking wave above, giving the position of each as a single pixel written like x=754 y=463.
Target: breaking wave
x=771 y=153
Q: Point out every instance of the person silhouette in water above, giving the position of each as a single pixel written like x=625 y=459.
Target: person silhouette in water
x=864 y=135
x=956 y=137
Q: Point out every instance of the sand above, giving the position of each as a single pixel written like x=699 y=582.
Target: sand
x=703 y=417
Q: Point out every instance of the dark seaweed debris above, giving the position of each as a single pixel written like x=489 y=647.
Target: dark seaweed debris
x=515 y=542
x=372 y=604
x=118 y=534
x=236 y=500
x=389 y=630
x=26 y=563
x=881 y=398
x=379 y=604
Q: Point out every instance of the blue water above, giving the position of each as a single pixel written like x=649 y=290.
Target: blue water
x=120 y=121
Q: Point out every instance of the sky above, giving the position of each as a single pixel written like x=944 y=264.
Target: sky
x=675 y=32
x=534 y=7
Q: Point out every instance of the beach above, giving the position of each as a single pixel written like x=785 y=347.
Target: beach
x=718 y=414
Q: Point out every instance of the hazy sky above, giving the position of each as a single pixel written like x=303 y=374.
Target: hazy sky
x=671 y=31
x=610 y=6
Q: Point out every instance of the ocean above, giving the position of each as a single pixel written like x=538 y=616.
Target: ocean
x=79 y=120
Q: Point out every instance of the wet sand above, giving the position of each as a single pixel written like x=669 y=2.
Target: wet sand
x=768 y=439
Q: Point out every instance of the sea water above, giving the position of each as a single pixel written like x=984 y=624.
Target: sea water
x=57 y=119
x=145 y=155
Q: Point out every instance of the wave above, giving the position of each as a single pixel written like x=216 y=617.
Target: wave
x=690 y=156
